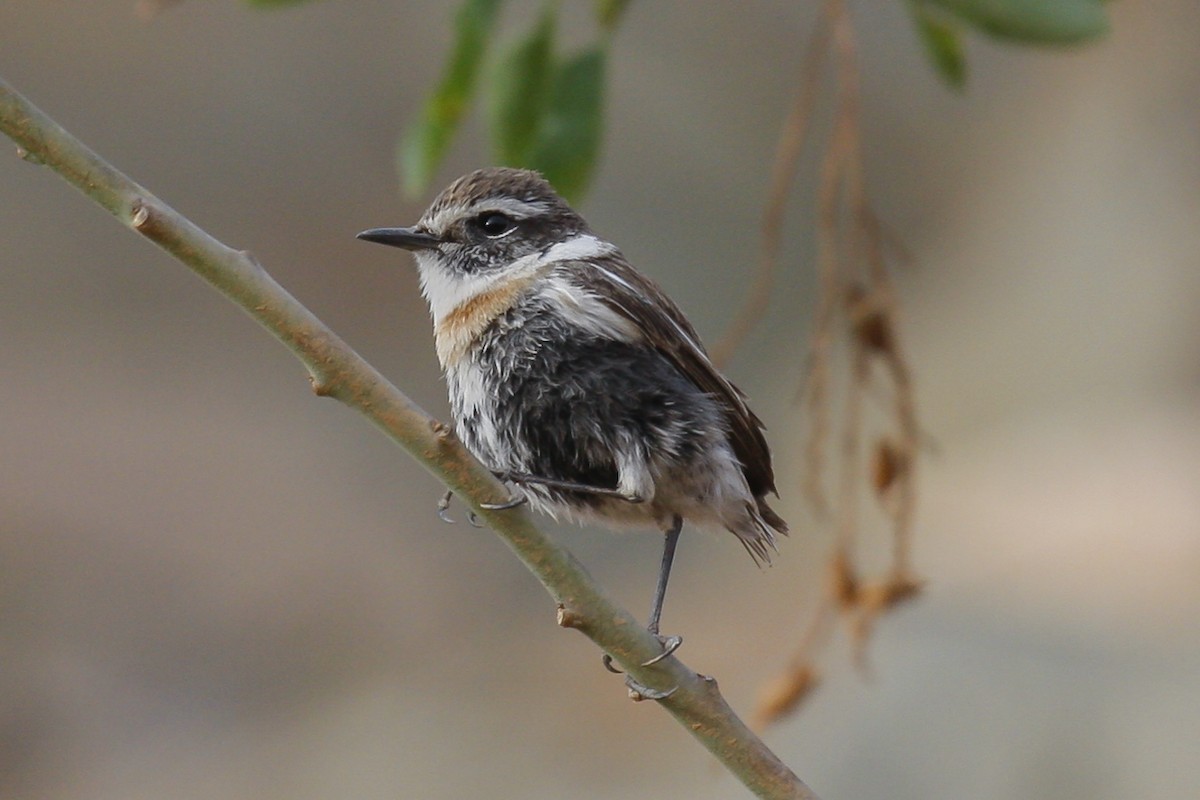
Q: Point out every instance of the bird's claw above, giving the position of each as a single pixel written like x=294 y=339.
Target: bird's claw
x=670 y=645
x=512 y=502
x=639 y=692
x=443 y=507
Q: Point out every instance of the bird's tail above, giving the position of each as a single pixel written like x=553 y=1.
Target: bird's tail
x=757 y=531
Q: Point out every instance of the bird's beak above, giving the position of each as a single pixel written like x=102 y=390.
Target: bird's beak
x=408 y=238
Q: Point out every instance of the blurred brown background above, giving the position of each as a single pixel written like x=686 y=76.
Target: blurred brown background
x=215 y=585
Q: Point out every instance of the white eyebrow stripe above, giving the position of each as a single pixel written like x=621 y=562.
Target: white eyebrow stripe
x=512 y=206
x=520 y=209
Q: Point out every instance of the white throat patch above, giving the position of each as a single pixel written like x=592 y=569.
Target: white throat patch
x=447 y=290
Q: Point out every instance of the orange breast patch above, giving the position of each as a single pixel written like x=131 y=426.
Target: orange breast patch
x=457 y=331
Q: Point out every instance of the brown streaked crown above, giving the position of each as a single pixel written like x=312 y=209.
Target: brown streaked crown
x=540 y=219
x=496 y=183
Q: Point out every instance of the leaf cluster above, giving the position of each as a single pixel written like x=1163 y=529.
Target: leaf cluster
x=544 y=109
x=942 y=24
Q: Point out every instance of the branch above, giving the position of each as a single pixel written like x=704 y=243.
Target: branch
x=337 y=371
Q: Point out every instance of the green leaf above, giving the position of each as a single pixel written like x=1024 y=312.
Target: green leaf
x=568 y=143
x=424 y=145
x=1035 y=21
x=520 y=90
x=943 y=44
x=608 y=12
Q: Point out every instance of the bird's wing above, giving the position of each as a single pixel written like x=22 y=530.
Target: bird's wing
x=637 y=298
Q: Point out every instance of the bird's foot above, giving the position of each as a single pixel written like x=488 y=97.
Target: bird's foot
x=670 y=645
x=639 y=691
x=443 y=508
x=512 y=502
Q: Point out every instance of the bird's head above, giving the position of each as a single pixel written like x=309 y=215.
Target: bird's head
x=486 y=228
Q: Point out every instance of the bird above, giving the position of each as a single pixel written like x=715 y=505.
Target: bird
x=574 y=377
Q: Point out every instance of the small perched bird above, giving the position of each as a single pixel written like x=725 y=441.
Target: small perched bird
x=575 y=378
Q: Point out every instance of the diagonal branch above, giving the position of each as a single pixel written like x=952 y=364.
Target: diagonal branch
x=337 y=371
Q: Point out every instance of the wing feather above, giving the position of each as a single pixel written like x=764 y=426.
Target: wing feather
x=639 y=299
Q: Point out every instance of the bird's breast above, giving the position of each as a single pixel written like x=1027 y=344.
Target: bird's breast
x=458 y=330
x=554 y=299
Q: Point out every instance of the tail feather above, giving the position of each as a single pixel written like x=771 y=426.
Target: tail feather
x=758 y=537
x=770 y=517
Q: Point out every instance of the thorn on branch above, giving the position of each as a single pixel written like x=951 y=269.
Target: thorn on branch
x=251 y=259
x=28 y=156
x=567 y=618
x=321 y=387
x=139 y=215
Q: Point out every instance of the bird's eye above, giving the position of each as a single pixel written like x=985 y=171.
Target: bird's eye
x=495 y=225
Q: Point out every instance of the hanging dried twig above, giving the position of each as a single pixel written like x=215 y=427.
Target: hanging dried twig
x=856 y=318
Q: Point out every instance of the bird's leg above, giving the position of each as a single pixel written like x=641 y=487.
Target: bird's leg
x=554 y=483
x=670 y=643
x=664 y=572
x=570 y=486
